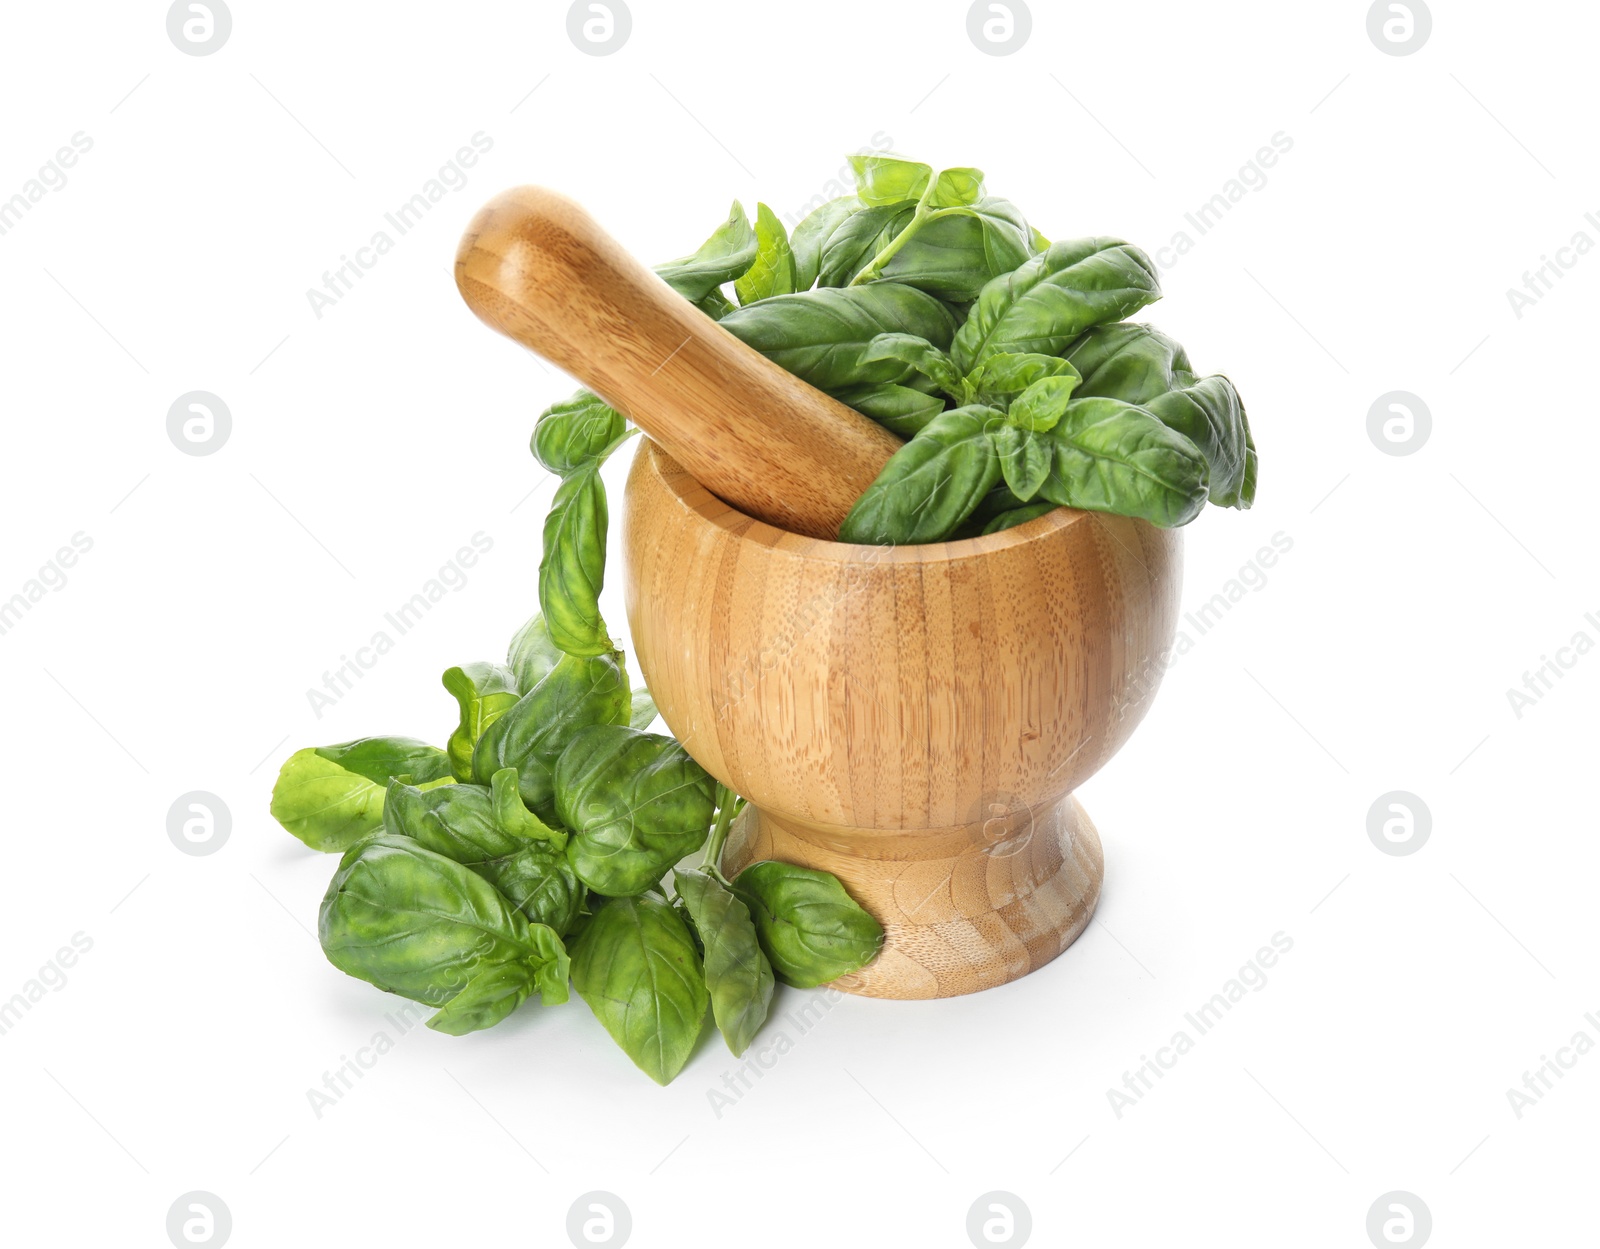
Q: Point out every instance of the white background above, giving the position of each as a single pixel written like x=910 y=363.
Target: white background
x=369 y=444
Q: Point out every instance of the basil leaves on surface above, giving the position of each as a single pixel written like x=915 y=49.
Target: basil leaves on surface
x=484 y=693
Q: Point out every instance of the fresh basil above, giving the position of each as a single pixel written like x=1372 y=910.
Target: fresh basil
x=1111 y=456
x=822 y=335
x=810 y=929
x=580 y=691
x=931 y=484
x=725 y=256
x=332 y=796
x=573 y=433
x=773 y=272
x=738 y=975
x=1050 y=300
x=484 y=692
x=636 y=804
x=636 y=966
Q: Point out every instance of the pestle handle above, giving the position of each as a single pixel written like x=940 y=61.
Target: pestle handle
x=535 y=266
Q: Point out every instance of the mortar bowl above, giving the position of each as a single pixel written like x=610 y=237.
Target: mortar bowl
x=912 y=719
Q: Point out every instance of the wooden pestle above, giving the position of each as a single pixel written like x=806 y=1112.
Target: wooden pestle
x=535 y=266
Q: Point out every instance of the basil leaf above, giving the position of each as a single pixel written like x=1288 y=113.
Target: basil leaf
x=956 y=252
x=1025 y=458
x=636 y=803
x=466 y=824
x=860 y=237
x=1111 y=456
x=888 y=179
x=573 y=569
x=774 y=270
x=1211 y=415
x=418 y=924
x=1134 y=363
x=1056 y=296
x=575 y=431
x=715 y=305
x=899 y=409
x=1001 y=378
x=488 y=998
x=1140 y=365
x=809 y=927
x=820 y=336
x=931 y=484
x=726 y=255
x=484 y=692
x=533 y=656
x=644 y=712
x=957 y=187
x=581 y=691
x=636 y=966
x=919 y=355
x=738 y=976
x=1043 y=404
x=332 y=796
x=812 y=234
x=514 y=818
x=1018 y=516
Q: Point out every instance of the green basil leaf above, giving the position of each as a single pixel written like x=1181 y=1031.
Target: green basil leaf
x=956 y=252
x=1025 y=458
x=1000 y=379
x=1018 y=516
x=489 y=997
x=812 y=234
x=860 y=237
x=738 y=976
x=1131 y=362
x=1111 y=456
x=919 y=355
x=332 y=796
x=1140 y=365
x=465 y=824
x=957 y=187
x=899 y=409
x=421 y=925
x=809 y=927
x=636 y=803
x=1210 y=414
x=533 y=656
x=515 y=818
x=931 y=484
x=726 y=255
x=484 y=692
x=774 y=270
x=581 y=691
x=575 y=431
x=1055 y=297
x=888 y=179
x=716 y=305
x=644 y=712
x=636 y=966
x=1043 y=404
x=820 y=336
x=573 y=569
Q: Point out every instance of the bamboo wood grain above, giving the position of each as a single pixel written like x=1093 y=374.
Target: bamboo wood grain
x=535 y=266
x=911 y=719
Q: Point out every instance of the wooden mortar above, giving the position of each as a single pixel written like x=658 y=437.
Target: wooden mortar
x=913 y=719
